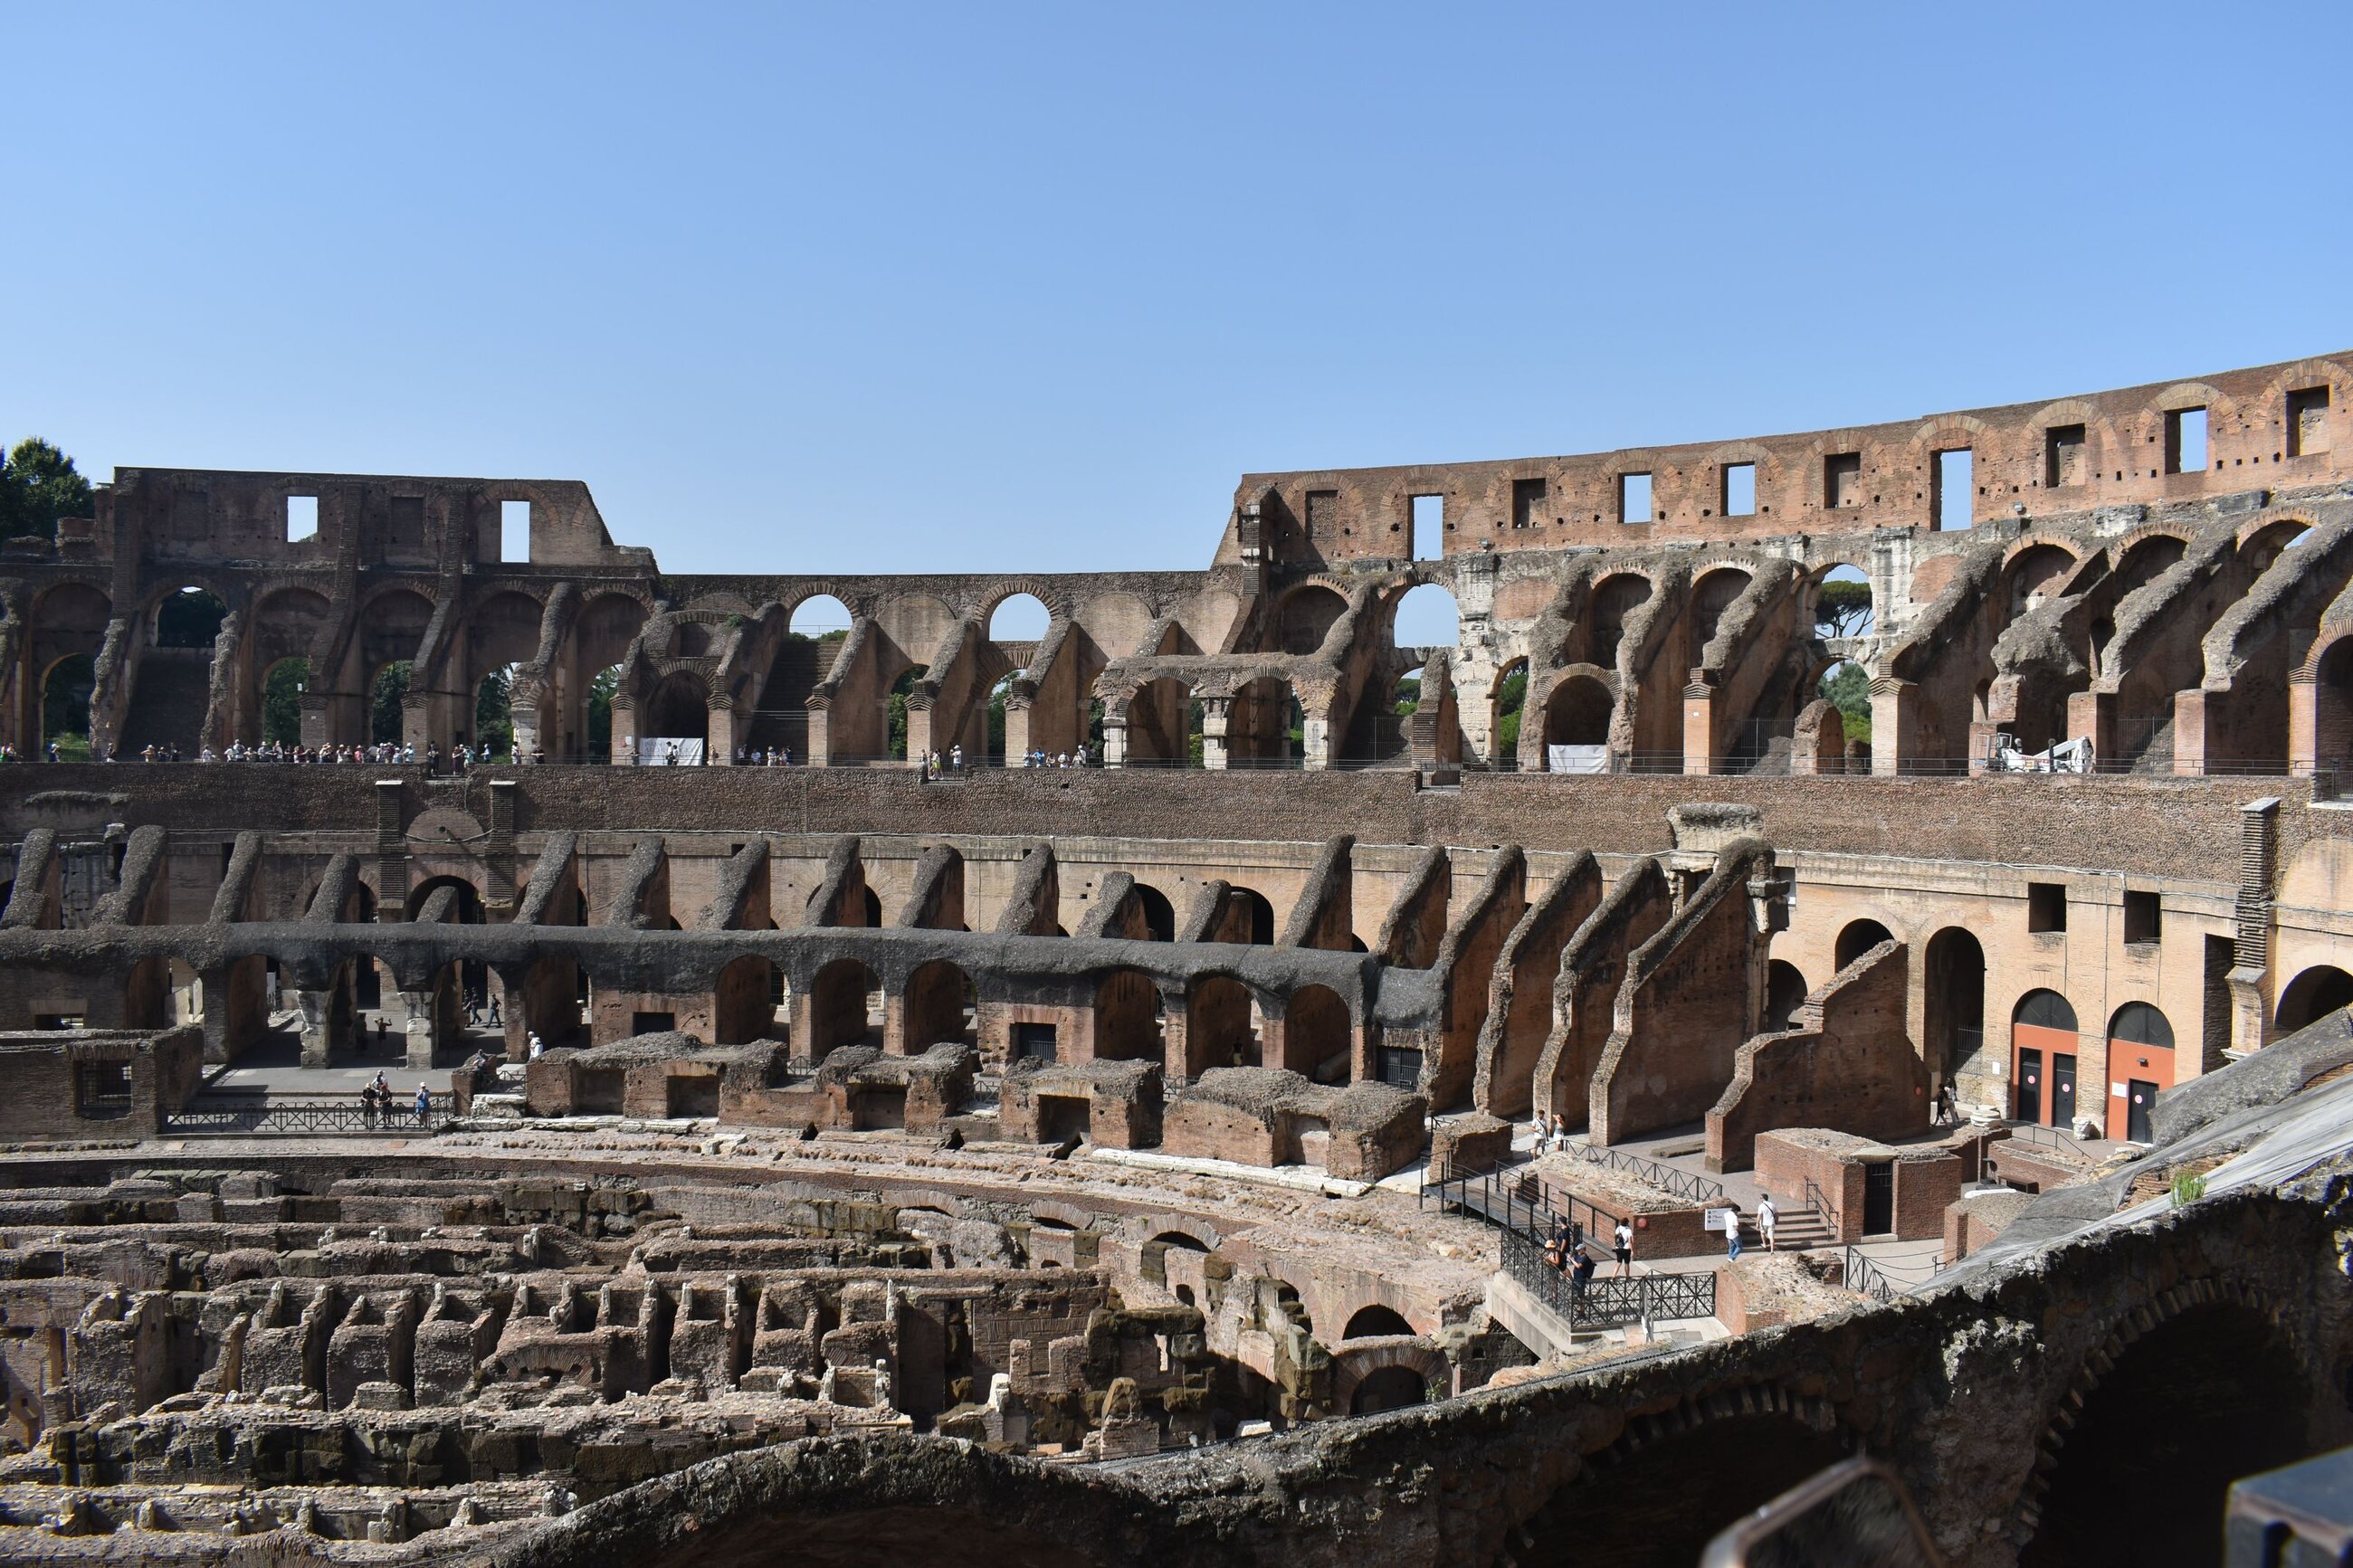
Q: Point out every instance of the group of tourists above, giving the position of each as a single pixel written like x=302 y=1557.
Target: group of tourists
x=764 y=756
x=384 y=753
x=377 y=1102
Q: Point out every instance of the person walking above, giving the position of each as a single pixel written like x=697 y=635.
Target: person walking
x=1624 y=1238
x=1732 y=1234
x=1767 y=1216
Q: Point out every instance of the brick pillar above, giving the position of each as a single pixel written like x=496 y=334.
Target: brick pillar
x=2250 y=978
x=2190 y=733
x=1894 y=723
x=1699 y=728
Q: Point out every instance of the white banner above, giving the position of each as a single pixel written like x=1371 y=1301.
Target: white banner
x=1577 y=759
x=668 y=751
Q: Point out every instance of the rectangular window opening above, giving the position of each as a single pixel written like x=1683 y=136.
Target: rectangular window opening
x=2046 y=906
x=302 y=518
x=1951 y=497
x=1527 y=503
x=1739 y=489
x=2144 y=918
x=2185 y=441
x=2063 y=455
x=652 y=1023
x=1429 y=527
x=1842 y=479
x=2307 y=422
x=1634 y=498
x=514 y=531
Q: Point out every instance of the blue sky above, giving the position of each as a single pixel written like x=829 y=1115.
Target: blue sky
x=913 y=288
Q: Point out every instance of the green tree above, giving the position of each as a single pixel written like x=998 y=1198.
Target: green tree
x=895 y=745
x=1849 y=690
x=1510 y=699
x=281 y=701
x=38 y=485
x=384 y=703
x=1842 y=609
x=600 y=712
x=64 y=706
x=1408 y=695
x=495 y=711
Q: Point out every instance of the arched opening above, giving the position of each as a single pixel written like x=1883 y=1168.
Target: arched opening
x=2311 y=995
x=941 y=1007
x=1711 y=597
x=494 y=711
x=2199 y=1401
x=837 y=1007
x=1376 y=1323
x=1842 y=607
x=821 y=615
x=1164 y=727
x=1316 y=1031
x=1387 y=1388
x=1305 y=617
x=2140 y=1060
x=1785 y=993
x=1217 y=1025
x=1859 y=938
x=998 y=694
x=2042 y=1047
x=743 y=1001
x=2332 y=730
x=677 y=710
x=1425 y=617
x=1128 y=1015
x=1378 y=724
x=1248 y=919
x=1576 y=726
x=1615 y=599
x=554 y=1003
x=804 y=657
x=385 y=695
x=1263 y=725
x=1955 y=1005
x=1508 y=700
x=66 y=691
x=894 y=714
x=599 y=721
x=392 y=628
x=1659 y=1504
x=1019 y=618
x=1846 y=686
x=2141 y=564
x=587 y=677
x=190 y=618
x=282 y=685
x=2034 y=576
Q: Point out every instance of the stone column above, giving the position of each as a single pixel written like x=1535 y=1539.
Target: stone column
x=1216 y=712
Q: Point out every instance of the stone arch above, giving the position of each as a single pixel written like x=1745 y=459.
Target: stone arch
x=1218 y=1024
x=1954 y=972
x=939 y=1005
x=1857 y=938
x=1051 y=604
x=1424 y=607
x=2332 y=681
x=836 y=1007
x=1316 y=1027
x=2032 y=570
x=743 y=1000
x=2201 y=1385
x=1617 y=595
x=1785 y=992
x=1712 y=590
x=2311 y=995
x=1259 y=720
x=1393 y=1376
x=1696 y=1467
x=678 y=708
x=1127 y=1017
x=1304 y=616
x=1374 y=1321
x=1579 y=709
x=1159 y=724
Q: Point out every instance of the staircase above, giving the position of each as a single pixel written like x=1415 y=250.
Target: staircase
x=174 y=687
x=1796 y=1229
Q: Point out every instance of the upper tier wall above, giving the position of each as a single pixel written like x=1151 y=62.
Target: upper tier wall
x=2277 y=426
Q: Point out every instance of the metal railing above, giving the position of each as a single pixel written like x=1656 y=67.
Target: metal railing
x=2049 y=1137
x=1832 y=1219
x=1682 y=1184
x=1607 y=1302
x=238 y=1118
x=1867 y=1277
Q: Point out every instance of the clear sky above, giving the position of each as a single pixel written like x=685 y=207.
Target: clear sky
x=913 y=288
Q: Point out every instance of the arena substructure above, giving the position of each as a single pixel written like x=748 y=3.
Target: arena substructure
x=1170 y=1144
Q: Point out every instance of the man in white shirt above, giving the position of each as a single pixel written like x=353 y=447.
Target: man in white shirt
x=1765 y=1217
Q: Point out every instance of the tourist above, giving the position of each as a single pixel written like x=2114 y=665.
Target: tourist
x=1732 y=1234
x=424 y=1103
x=1580 y=1275
x=956 y=757
x=1624 y=1238
x=538 y=1047
x=494 y=1008
x=1766 y=1217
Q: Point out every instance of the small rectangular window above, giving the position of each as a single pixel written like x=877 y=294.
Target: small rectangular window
x=1429 y=527
x=1033 y=1040
x=103 y=1090
x=2307 y=422
x=1634 y=498
x=1842 y=479
x=652 y=1023
x=1527 y=503
x=2046 y=906
x=514 y=531
x=2185 y=441
x=1954 y=498
x=1739 y=489
x=2063 y=455
x=302 y=518
x=2144 y=918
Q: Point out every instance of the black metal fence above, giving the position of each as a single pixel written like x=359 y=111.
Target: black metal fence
x=1607 y=1301
x=246 y=1118
x=1698 y=1189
